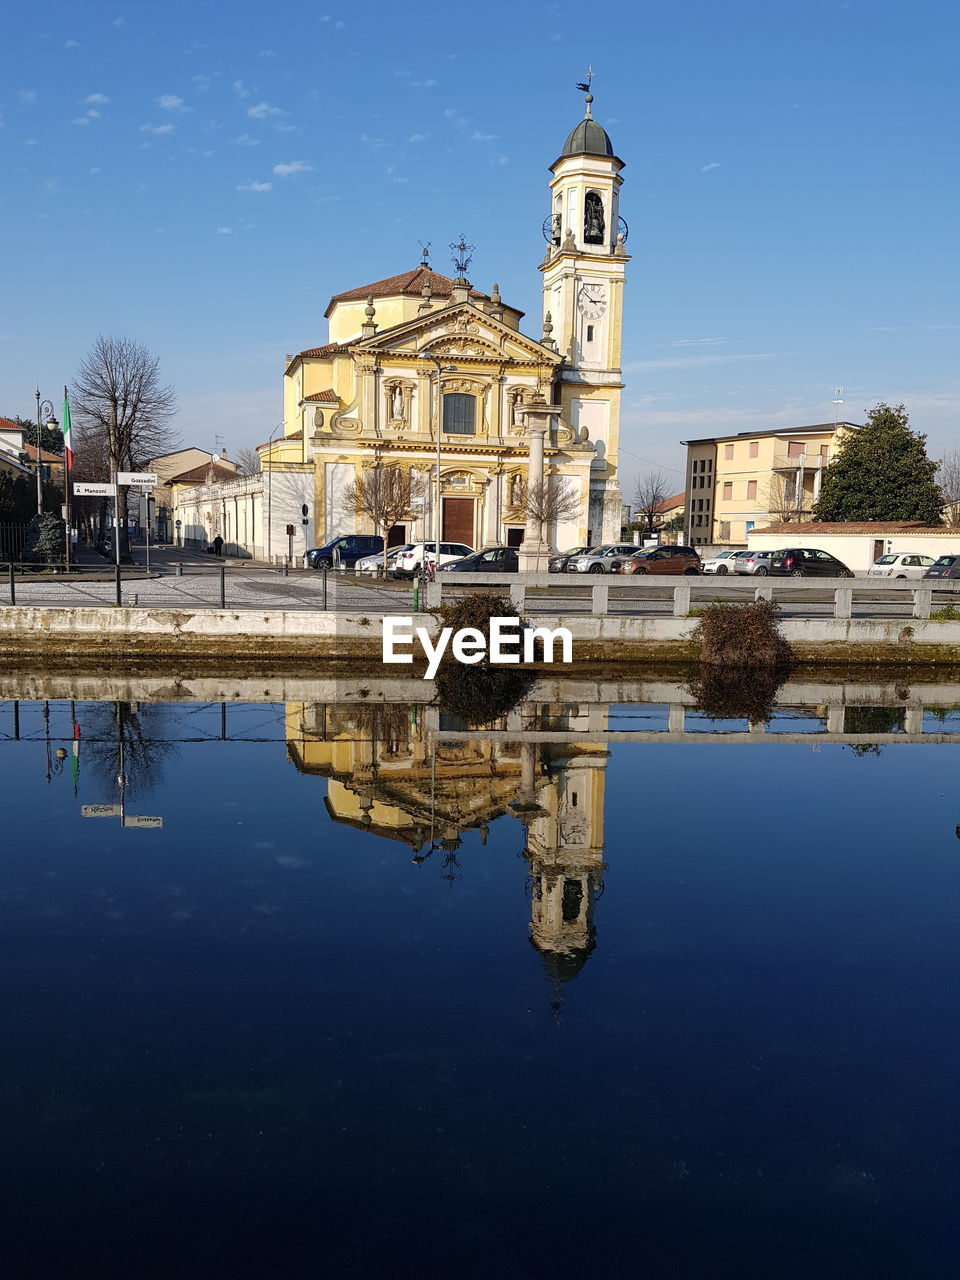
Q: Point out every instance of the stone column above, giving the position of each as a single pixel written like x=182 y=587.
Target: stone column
x=537 y=414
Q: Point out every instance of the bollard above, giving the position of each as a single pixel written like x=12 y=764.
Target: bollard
x=416 y=595
x=179 y=572
x=116 y=570
x=681 y=601
x=599 y=598
x=843 y=602
x=285 y=570
x=13 y=586
x=764 y=592
x=223 y=587
x=518 y=593
x=922 y=601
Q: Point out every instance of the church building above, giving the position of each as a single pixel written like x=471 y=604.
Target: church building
x=421 y=355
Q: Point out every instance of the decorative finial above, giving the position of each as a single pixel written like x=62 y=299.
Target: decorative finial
x=619 y=249
x=425 y=253
x=462 y=256
x=369 y=327
x=547 y=339
x=370 y=310
x=426 y=294
x=495 y=295
x=584 y=86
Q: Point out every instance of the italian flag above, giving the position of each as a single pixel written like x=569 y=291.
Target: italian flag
x=67 y=439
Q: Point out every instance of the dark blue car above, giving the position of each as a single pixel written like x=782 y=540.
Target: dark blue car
x=345 y=550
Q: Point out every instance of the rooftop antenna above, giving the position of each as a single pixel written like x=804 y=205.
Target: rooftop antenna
x=585 y=86
x=838 y=401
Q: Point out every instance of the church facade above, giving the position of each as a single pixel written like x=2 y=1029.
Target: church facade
x=421 y=355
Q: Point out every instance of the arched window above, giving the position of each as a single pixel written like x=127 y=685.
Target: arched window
x=459 y=414
x=594 y=225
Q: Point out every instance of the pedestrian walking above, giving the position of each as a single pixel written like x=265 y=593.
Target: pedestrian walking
x=218 y=546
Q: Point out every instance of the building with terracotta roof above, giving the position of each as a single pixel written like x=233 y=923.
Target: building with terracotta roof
x=512 y=409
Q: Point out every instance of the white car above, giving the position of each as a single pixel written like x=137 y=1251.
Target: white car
x=720 y=563
x=407 y=564
x=373 y=564
x=901 y=564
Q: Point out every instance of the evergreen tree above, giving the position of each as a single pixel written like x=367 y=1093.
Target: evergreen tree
x=881 y=473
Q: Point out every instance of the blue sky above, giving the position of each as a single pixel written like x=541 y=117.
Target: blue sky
x=203 y=183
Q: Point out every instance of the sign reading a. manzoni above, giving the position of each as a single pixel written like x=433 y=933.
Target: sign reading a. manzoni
x=469 y=645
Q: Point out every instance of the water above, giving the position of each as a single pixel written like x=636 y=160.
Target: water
x=675 y=1009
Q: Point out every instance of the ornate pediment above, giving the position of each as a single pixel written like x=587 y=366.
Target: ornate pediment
x=461 y=332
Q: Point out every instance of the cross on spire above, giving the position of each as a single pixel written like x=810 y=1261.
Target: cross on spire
x=586 y=86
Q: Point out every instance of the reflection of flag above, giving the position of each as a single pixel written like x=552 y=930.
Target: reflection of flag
x=76 y=756
x=67 y=440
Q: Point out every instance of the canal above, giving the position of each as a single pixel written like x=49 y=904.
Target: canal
x=328 y=985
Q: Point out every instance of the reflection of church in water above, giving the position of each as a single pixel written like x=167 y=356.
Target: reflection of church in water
x=389 y=775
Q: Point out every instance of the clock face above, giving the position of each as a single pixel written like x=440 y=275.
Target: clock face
x=592 y=301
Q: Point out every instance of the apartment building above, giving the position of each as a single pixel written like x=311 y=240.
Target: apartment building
x=741 y=482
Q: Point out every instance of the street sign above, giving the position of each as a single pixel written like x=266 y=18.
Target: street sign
x=139 y=820
x=94 y=490
x=100 y=810
x=139 y=479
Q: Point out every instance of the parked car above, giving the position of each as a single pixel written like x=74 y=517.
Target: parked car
x=719 y=563
x=805 y=562
x=599 y=559
x=407 y=564
x=944 y=567
x=560 y=562
x=490 y=560
x=659 y=560
x=346 y=550
x=900 y=565
x=373 y=564
x=755 y=562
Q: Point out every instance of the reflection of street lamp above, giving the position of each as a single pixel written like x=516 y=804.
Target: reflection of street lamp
x=44 y=407
x=269 y=538
x=441 y=368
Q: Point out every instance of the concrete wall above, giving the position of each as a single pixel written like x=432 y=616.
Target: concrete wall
x=856 y=550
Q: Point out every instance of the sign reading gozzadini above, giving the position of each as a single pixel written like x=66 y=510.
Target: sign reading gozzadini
x=469 y=645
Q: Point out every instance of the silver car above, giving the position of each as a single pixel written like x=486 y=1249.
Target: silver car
x=755 y=562
x=600 y=558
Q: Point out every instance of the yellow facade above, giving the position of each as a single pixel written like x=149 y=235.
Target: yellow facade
x=369 y=395
x=741 y=482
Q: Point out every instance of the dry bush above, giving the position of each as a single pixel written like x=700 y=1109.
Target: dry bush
x=478 y=693
x=738 y=693
x=742 y=635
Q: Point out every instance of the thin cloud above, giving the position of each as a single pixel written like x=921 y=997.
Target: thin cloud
x=246 y=141
x=696 y=362
x=705 y=168
x=95 y=100
x=157 y=128
x=80 y=120
x=71 y=44
x=418 y=137
x=28 y=97
x=291 y=169
x=170 y=102
x=240 y=89
x=255 y=186
x=694 y=342
x=263 y=110
x=224 y=231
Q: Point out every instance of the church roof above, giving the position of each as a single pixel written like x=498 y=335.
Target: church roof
x=322 y=397
x=408 y=282
x=588 y=139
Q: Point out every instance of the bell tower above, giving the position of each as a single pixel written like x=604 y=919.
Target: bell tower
x=584 y=271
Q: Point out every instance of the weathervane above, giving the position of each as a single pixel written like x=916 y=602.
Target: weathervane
x=424 y=252
x=462 y=255
x=585 y=86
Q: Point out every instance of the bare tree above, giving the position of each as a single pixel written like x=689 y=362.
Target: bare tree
x=781 y=502
x=649 y=495
x=549 y=503
x=948 y=478
x=118 y=395
x=248 y=462
x=385 y=495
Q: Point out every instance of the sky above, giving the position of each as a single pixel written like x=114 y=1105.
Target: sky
x=202 y=179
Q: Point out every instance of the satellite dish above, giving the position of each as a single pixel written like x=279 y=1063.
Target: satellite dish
x=216 y=457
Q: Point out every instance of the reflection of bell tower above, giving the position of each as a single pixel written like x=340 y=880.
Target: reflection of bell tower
x=565 y=852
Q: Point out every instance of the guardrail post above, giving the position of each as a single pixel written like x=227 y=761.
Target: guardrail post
x=223 y=587
x=518 y=595
x=922 y=602
x=843 y=602
x=116 y=570
x=764 y=591
x=432 y=593
x=179 y=573
x=600 y=602
x=675 y=716
x=681 y=600
x=13 y=585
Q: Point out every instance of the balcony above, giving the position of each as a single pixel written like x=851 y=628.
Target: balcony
x=811 y=462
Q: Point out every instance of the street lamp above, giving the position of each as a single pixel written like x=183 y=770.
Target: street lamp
x=441 y=369
x=44 y=408
x=269 y=537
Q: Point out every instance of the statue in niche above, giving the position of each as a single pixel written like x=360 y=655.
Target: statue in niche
x=516 y=490
x=594 y=225
x=396 y=404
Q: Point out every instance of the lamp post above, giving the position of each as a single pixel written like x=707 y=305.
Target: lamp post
x=44 y=407
x=269 y=537
x=441 y=369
